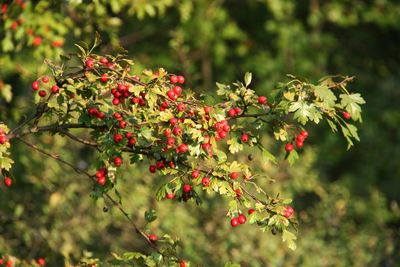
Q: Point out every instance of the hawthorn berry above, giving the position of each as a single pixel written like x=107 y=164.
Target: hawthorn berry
x=167 y=132
x=207 y=109
x=178 y=90
x=299 y=144
x=242 y=219
x=181 y=79
x=164 y=105
x=234 y=222
x=250 y=211
x=7 y=181
x=262 y=100
x=116 y=101
x=135 y=100
x=304 y=133
x=42 y=93
x=9 y=263
x=171 y=164
x=117 y=161
x=104 y=78
x=121 y=88
x=118 y=138
x=288 y=147
x=195 y=174
x=245 y=138
x=222 y=134
x=226 y=128
x=181 y=107
x=55 y=89
x=173 y=79
x=346 y=115
x=232 y=112
x=89 y=63
x=238 y=110
x=35 y=85
x=101 y=180
x=187 y=188
x=205 y=181
x=92 y=111
x=37 y=41
x=183 y=148
x=170 y=195
x=171 y=94
x=288 y=211
x=177 y=131
x=153 y=237
x=41 y=261
x=131 y=141
x=238 y=193
x=152 y=168
x=173 y=121
x=100 y=115
x=160 y=165
x=142 y=102
x=104 y=61
x=234 y=175
x=182 y=263
x=300 y=138
x=45 y=79
x=3 y=139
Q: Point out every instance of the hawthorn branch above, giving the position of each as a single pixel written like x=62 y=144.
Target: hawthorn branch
x=93 y=179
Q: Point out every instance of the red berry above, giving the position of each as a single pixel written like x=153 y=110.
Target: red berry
x=226 y=128
x=89 y=63
x=205 y=181
x=160 y=165
x=346 y=115
x=131 y=141
x=234 y=175
x=177 y=131
x=171 y=94
x=232 y=112
x=55 y=89
x=9 y=263
x=181 y=79
x=234 y=222
x=207 y=109
x=42 y=93
x=41 y=261
x=250 y=211
x=300 y=138
x=187 y=188
x=178 y=90
x=183 y=148
x=122 y=124
x=121 y=88
x=181 y=107
x=104 y=77
x=241 y=219
x=299 y=144
x=153 y=237
x=173 y=121
x=171 y=164
x=245 y=138
x=222 y=134
x=262 y=100
x=195 y=174
x=116 y=101
x=118 y=138
x=238 y=193
x=37 y=41
x=182 y=263
x=7 y=181
x=3 y=139
x=35 y=85
x=171 y=141
x=100 y=115
x=206 y=146
x=238 y=110
x=142 y=102
x=288 y=211
x=92 y=111
x=135 y=100
x=304 y=133
x=117 y=161
x=45 y=79
x=170 y=195
x=173 y=79
x=101 y=180
x=288 y=147
x=104 y=61
x=167 y=132
x=152 y=168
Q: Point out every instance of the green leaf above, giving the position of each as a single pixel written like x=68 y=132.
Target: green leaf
x=6 y=163
x=234 y=145
x=289 y=238
x=324 y=94
x=267 y=156
x=247 y=78
x=150 y=215
x=292 y=157
x=352 y=104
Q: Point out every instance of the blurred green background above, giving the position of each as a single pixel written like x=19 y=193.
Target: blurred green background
x=347 y=201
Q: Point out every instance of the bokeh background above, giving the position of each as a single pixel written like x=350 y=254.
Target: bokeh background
x=347 y=201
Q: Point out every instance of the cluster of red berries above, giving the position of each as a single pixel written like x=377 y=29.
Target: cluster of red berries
x=223 y=128
x=175 y=91
x=300 y=138
x=233 y=112
x=288 y=212
x=8 y=263
x=241 y=219
x=94 y=112
x=101 y=175
x=3 y=137
x=42 y=93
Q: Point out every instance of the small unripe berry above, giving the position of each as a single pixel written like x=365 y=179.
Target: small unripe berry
x=242 y=219
x=187 y=188
x=262 y=100
x=234 y=222
x=289 y=147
